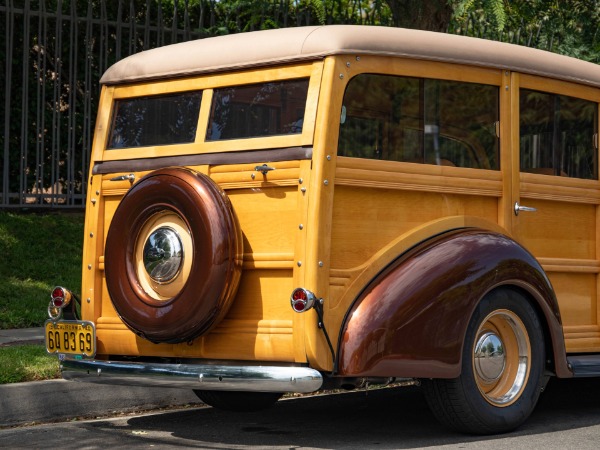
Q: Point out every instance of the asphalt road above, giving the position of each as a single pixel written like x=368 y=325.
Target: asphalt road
x=568 y=416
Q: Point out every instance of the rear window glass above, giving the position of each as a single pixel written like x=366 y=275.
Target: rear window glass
x=155 y=120
x=257 y=110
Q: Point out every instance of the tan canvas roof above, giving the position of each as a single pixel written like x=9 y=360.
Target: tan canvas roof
x=269 y=47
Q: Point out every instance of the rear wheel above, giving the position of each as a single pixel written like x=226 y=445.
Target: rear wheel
x=238 y=401
x=502 y=369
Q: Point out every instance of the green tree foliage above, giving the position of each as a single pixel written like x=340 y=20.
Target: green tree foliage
x=570 y=28
x=491 y=12
x=235 y=16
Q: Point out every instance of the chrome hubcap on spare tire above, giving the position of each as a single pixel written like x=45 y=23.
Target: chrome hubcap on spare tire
x=501 y=358
x=163 y=255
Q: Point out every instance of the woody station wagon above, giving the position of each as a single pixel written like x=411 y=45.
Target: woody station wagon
x=325 y=207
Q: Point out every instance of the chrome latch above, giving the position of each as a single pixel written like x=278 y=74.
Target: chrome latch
x=264 y=169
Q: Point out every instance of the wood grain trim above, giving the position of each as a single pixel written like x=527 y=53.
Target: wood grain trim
x=253 y=327
x=570 y=265
x=418 y=177
x=581 y=331
x=555 y=188
x=268 y=261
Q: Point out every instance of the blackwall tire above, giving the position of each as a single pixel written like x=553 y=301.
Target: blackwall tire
x=502 y=369
x=180 y=297
x=238 y=401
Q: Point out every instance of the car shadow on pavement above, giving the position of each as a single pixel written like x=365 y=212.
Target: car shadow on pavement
x=384 y=418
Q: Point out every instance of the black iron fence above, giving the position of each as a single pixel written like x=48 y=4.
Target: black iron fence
x=55 y=51
x=52 y=57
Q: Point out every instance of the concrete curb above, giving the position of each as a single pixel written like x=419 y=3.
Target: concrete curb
x=60 y=400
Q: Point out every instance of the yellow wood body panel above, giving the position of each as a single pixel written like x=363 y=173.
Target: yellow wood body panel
x=93 y=242
x=559 y=229
x=358 y=236
x=316 y=261
x=258 y=326
x=563 y=232
x=267 y=217
x=559 y=87
x=382 y=208
x=270 y=208
x=102 y=124
x=509 y=162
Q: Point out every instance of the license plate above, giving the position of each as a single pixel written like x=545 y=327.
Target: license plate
x=74 y=337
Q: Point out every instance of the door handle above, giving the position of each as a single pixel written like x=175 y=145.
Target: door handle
x=519 y=208
x=130 y=177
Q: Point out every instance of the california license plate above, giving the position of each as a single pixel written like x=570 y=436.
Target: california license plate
x=74 y=337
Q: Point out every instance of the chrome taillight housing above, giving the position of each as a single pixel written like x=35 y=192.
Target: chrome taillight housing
x=302 y=300
x=59 y=299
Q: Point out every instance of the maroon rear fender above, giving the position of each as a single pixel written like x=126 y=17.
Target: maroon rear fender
x=411 y=320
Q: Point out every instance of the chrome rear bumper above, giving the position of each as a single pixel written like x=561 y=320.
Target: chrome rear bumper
x=206 y=377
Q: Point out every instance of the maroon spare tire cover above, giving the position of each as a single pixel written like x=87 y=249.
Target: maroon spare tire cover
x=173 y=256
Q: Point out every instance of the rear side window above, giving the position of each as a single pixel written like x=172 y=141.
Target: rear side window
x=155 y=120
x=420 y=120
x=258 y=110
x=557 y=135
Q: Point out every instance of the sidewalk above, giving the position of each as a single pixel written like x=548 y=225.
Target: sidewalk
x=21 y=336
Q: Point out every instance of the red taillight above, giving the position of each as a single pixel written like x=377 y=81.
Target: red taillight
x=299 y=294
x=60 y=297
x=302 y=300
x=299 y=306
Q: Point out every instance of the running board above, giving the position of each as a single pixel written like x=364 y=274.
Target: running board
x=585 y=365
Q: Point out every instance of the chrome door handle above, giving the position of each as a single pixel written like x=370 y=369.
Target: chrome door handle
x=130 y=177
x=519 y=208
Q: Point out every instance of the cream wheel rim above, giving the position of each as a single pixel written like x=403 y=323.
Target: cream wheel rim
x=168 y=287
x=501 y=358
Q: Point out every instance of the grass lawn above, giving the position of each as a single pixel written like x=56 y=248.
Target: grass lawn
x=37 y=252
x=27 y=363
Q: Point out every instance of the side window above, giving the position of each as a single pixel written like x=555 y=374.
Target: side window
x=155 y=120
x=420 y=120
x=258 y=110
x=557 y=135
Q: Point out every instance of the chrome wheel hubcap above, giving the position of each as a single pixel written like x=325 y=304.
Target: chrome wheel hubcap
x=490 y=360
x=163 y=255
